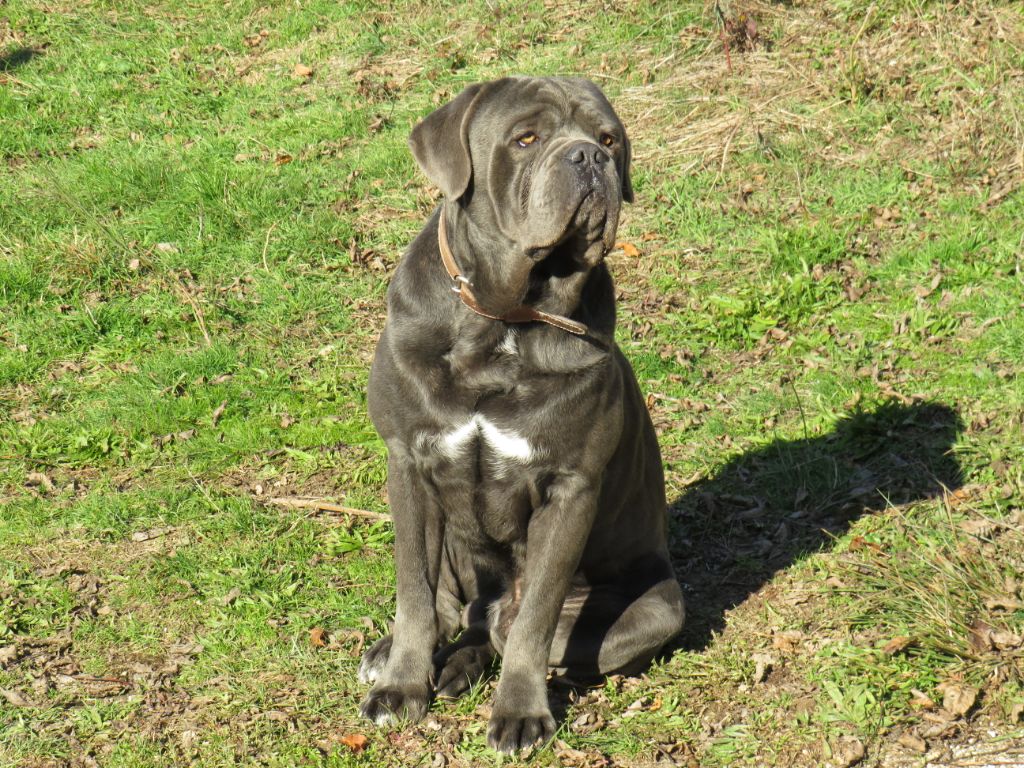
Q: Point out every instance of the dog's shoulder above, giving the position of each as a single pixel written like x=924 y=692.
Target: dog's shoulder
x=419 y=280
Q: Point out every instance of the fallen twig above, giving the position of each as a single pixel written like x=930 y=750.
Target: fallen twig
x=320 y=505
x=196 y=311
x=266 y=244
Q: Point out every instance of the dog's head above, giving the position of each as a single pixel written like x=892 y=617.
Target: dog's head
x=542 y=163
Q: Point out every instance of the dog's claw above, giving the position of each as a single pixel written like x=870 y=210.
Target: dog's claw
x=514 y=733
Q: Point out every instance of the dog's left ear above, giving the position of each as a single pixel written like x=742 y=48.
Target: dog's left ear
x=627 y=185
x=440 y=143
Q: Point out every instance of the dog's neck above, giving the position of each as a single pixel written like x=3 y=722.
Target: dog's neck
x=513 y=289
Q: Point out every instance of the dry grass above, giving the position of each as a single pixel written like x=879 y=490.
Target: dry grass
x=948 y=71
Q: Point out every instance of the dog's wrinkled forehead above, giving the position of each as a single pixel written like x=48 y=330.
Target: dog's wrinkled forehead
x=557 y=105
x=452 y=140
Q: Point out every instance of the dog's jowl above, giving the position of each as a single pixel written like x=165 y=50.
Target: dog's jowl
x=525 y=481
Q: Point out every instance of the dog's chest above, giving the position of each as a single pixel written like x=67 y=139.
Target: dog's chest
x=485 y=473
x=479 y=440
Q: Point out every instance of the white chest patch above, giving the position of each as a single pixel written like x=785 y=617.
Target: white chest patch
x=505 y=443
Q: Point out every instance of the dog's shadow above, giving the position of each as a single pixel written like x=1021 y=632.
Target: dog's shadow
x=17 y=57
x=767 y=508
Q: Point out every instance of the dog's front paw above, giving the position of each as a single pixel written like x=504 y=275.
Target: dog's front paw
x=510 y=732
x=374 y=660
x=391 y=704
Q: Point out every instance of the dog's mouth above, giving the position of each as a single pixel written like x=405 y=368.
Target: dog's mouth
x=586 y=225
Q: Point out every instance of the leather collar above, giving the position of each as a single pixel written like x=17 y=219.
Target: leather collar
x=520 y=314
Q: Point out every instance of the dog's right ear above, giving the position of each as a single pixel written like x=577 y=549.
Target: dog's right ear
x=440 y=143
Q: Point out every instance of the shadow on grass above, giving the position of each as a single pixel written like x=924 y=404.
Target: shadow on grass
x=769 y=507
x=17 y=57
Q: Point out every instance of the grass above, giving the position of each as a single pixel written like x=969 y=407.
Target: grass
x=200 y=208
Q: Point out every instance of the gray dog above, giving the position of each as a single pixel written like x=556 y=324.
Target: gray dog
x=525 y=480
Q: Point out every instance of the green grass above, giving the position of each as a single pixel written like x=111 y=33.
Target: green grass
x=195 y=241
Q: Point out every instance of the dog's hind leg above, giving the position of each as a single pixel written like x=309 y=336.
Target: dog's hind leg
x=610 y=629
x=461 y=664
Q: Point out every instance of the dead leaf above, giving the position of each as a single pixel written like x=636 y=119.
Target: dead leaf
x=920 y=700
x=1016 y=713
x=301 y=70
x=1004 y=604
x=38 y=479
x=14 y=698
x=636 y=707
x=849 y=751
x=152 y=533
x=788 y=641
x=83 y=583
x=763 y=664
x=286 y=421
x=896 y=645
x=913 y=741
x=1005 y=640
x=629 y=249
x=923 y=293
x=100 y=687
x=256 y=39
x=568 y=757
x=357 y=742
x=957 y=699
x=317 y=636
x=980 y=528
x=858 y=543
x=981 y=636
x=282 y=158
x=998 y=194
x=8 y=654
x=217 y=413
x=349 y=637
x=231 y=596
x=941 y=725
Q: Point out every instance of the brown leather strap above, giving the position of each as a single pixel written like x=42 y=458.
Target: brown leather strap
x=521 y=314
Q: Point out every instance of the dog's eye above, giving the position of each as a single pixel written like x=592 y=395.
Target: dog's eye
x=607 y=139
x=527 y=139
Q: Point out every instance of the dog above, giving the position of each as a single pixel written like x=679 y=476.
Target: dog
x=524 y=476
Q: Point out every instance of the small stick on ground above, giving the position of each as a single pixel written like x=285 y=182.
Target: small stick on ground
x=196 y=311
x=723 y=36
x=321 y=505
x=266 y=244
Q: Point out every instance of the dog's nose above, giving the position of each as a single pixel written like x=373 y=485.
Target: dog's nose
x=586 y=152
